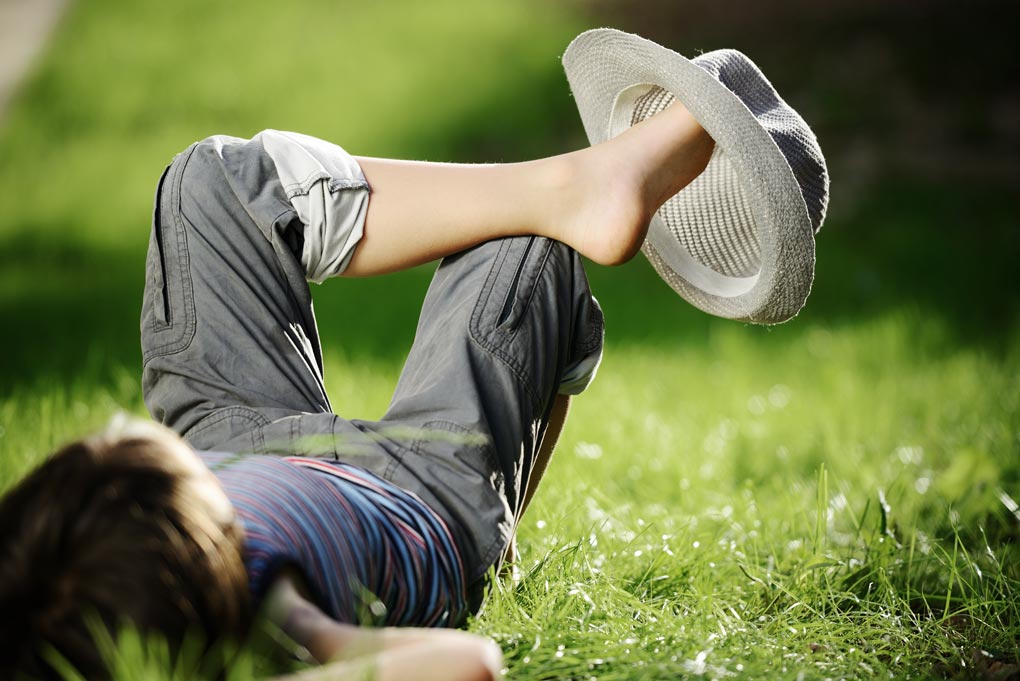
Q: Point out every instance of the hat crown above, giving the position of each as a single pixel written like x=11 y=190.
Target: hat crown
x=788 y=130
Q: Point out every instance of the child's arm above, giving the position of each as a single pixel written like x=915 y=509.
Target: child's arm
x=352 y=652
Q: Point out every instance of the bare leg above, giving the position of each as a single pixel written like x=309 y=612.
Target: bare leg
x=597 y=200
x=557 y=419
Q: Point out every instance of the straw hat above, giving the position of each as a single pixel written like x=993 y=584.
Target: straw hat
x=738 y=242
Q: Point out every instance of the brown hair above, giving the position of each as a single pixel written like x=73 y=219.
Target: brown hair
x=119 y=528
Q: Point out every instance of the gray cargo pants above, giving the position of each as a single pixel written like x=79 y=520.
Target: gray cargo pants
x=232 y=359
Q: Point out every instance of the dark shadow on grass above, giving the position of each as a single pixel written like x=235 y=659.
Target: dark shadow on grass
x=945 y=253
x=68 y=310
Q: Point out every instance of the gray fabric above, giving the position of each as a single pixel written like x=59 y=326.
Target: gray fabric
x=738 y=242
x=329 y=194
x=232 y=358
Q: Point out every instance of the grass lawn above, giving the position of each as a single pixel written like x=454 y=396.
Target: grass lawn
x=834 y=497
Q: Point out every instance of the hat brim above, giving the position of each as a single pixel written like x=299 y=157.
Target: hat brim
x=607 y=71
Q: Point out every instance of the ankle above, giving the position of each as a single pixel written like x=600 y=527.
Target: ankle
x=608 y=214
x=677 y=150
x=560 y=184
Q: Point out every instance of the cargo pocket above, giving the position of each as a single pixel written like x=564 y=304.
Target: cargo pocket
x=168 y=307
x=231 y=429
x=507 y=296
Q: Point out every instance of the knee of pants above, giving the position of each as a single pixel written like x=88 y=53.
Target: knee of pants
x=306 y=196
x=199 y=168
x=199 y=189
x=230 y=183
x=203 y=184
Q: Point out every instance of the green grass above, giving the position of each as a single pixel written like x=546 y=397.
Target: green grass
x=759 y=512
x=827 y=498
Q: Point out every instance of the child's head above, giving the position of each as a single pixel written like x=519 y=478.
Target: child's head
x=127 y=526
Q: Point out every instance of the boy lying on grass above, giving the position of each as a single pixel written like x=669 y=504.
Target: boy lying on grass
x=273 y=502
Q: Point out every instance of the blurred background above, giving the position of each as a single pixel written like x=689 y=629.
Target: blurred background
x=915 y=105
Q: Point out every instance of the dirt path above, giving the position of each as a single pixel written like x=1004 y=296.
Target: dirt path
x=25 y=26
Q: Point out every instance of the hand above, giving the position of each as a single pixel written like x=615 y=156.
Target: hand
x=386 y=654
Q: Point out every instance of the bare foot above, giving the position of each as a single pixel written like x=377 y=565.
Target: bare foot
x=615 y=187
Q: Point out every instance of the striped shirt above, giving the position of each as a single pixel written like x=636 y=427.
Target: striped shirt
x=369 y=551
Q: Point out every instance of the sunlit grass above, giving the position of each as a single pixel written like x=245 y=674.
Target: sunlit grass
x=721 y=509
x=751 y=516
